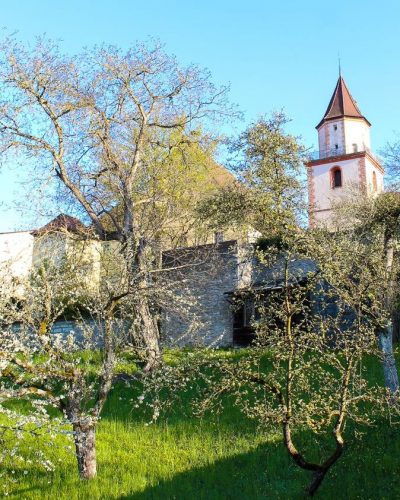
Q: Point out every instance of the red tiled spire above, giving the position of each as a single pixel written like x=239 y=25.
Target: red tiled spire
x=341 y=105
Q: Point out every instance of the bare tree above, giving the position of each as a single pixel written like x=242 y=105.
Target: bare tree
x=65 y=323
x=97 y=123
x=40 y=364
x=391 y=162
x=325 y=297
x=376 y=220
x=305 y=374
x=385 y=217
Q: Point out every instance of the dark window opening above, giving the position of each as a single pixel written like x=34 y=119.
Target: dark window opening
x=247 y=312
x=336 y=178
x=244 y=313
x=335 y=127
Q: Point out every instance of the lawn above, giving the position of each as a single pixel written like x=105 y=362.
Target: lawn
x=217 y=457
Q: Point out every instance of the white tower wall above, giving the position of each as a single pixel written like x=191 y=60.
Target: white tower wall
x=331 y=135
x=356 y=133
x=371 y=168
x=324 y=194
x=344 y=136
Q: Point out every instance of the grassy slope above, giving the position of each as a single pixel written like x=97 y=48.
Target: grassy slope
x=224 y=458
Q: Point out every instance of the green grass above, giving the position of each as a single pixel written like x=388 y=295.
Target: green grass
x=220 y=457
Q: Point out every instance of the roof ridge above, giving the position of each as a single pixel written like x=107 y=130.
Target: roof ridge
x=63 y=222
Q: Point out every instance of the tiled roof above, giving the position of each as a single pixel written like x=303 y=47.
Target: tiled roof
x=341 y=104
x=62 y=223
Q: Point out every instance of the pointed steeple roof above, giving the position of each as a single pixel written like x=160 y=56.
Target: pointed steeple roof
x=341 y=105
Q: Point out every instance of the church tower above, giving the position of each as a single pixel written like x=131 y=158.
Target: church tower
x=344 y=159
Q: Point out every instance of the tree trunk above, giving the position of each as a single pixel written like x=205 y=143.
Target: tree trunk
x=85 y=446
x=388 y=360
x=149 y=326
x=386 y=336
x=318 y=477
x=396 y=326
x=150 y=336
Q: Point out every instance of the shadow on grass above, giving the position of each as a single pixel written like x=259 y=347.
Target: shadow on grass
x=225 y=458
x=369 y=469
x=266 y=472
x=243 y=476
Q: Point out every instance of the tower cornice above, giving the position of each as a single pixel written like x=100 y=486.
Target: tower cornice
x=344 y=157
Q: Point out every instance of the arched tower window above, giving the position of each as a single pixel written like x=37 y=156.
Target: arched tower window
x=336 y=177
x=374 y=181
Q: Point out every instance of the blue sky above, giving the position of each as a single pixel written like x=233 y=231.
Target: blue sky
x=275 y=54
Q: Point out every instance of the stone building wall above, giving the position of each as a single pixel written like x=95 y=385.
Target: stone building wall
x=74 y=328
x=88 y=333
x=197 y=309
x=207 y=274
x=197 y=293
x=229 y=270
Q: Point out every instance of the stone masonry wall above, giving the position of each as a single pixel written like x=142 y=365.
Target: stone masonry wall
x=206 y=283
